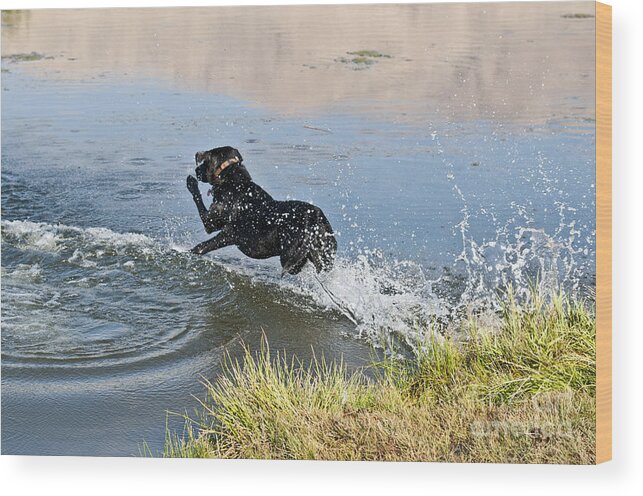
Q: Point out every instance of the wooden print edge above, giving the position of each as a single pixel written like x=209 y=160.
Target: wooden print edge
x=603 y=232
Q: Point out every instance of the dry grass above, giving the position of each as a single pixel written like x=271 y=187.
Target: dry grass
x=523 y=393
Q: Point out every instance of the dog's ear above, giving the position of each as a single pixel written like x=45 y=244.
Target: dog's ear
x=237 y=155
x=240 y=168
x=230 y=156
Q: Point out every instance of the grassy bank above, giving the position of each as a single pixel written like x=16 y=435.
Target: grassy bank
x=521 y=391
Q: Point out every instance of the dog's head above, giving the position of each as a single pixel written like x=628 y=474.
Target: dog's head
x=216 y=165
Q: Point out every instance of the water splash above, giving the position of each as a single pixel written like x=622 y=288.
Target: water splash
x=386 y=299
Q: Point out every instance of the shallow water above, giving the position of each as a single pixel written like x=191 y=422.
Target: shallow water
x=462 y=163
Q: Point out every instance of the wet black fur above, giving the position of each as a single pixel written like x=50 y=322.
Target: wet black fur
x=247 y=216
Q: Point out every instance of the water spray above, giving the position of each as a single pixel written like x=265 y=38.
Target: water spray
x=347 y=312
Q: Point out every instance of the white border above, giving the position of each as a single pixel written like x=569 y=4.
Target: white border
x=113 y=476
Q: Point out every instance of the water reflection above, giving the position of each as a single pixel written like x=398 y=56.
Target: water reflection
x=522 y=62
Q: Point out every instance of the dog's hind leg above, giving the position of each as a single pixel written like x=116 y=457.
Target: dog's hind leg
x=219 y=241
x=315 y=260
x=293 y=267
x=322 y=245
x=293 y=258
x=321 y=252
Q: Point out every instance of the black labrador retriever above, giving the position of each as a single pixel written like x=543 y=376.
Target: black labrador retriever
x=248 y=217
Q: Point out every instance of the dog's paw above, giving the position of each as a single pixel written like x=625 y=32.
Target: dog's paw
x=193 y=185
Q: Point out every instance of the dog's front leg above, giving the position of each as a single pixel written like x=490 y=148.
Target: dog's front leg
x=219 y=241
x=193 y=188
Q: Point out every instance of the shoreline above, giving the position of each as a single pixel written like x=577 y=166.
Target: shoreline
x=524 y=393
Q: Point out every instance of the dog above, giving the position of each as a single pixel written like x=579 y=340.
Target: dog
x=248 y=217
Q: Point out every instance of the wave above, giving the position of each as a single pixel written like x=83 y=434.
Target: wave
x=385 y=299
x=55 y=237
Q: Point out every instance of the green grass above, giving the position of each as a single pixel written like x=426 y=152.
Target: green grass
x=356 y=60
x=362 y=60
x=522 y=391
x=369 y=53
x=11 y=17
x=25 y=57
x=363 y=57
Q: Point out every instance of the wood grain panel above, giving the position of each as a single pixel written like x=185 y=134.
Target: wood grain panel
x=603 y=232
